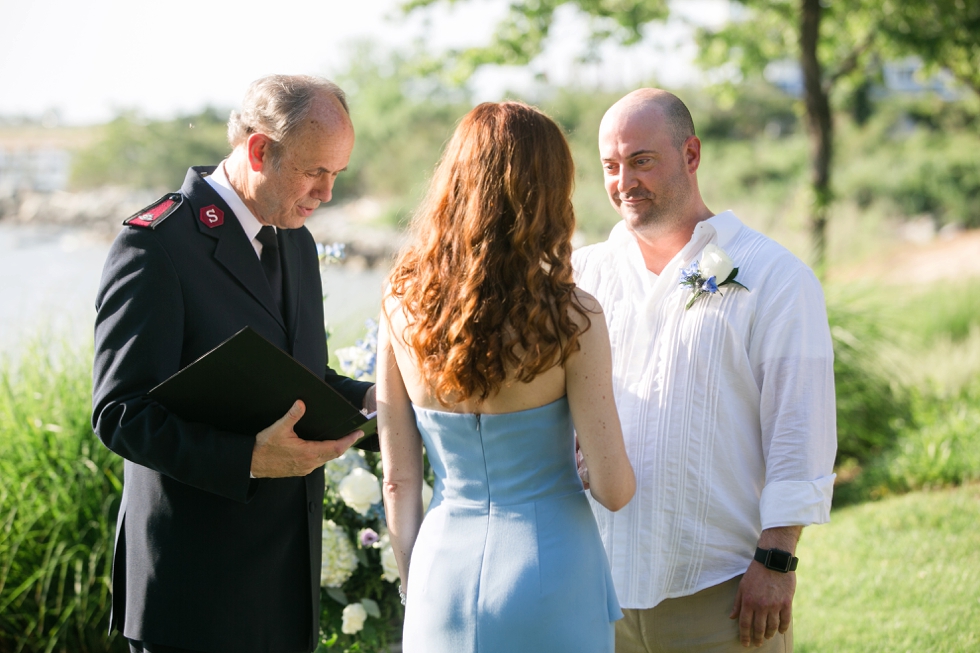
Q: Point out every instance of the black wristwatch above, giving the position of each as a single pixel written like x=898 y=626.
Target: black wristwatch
x=777 y=559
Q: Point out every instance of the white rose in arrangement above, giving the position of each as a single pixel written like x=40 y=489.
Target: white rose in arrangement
x=716 y=263
x=354 y=617
x=389 y=565
x=360 y=490
x=337 y=469
x=426 y=496
x=338 y=557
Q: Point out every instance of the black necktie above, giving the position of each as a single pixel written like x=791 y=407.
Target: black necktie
x=271 y=264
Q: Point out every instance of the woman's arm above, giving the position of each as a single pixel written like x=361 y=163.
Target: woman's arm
x=401 y=454
x=588 y=382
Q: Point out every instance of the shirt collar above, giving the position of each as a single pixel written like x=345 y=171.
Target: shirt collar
x=218 y=180
x=725 y=226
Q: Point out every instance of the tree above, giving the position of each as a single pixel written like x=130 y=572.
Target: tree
x=522 y=34
x=829 y=41
x=944 y=33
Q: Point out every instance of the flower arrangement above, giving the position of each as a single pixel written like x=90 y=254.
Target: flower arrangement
x=702 y=276
x=359 y=609
x=359 y=360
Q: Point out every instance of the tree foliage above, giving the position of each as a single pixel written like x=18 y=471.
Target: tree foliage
x=141 y=153
x=522 y=34
x=944 y=33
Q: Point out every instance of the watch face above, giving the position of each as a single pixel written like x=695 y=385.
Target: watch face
x=779 y=559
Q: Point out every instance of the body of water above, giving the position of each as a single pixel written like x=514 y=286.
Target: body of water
x=49 y=278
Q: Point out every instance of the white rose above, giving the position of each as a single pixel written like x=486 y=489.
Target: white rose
x=360 y=490
x=426 y=496
x=389 y=564
x=716 y=263
x=354 y=617
x=339 y=560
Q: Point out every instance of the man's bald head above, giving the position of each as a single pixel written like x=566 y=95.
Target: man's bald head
x=653 y=104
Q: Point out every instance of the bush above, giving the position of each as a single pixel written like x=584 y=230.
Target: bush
x=871 y=409
x=941 y=449
x=59 y=496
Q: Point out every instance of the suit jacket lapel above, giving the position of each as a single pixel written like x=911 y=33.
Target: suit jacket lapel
x=233 y=251
x=292 y=279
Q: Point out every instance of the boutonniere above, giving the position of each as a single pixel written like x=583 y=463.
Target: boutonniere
x=702 y=276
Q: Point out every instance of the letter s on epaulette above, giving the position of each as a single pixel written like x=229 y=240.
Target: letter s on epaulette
x=157 y=212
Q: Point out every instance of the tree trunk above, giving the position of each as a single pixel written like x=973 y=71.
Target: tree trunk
x=819 y=127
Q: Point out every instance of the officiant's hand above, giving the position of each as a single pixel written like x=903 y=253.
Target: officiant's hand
x=279 y=452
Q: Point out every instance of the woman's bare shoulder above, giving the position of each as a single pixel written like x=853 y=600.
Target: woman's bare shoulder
x=588 y=303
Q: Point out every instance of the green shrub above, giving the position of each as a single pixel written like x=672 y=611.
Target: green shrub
x=945 y=310
x=871 y=409
x=59 y=495
x=942 y=449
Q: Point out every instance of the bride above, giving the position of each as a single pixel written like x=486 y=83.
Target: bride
x=489 y=355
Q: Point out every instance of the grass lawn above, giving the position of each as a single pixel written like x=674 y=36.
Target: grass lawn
x=902 y=574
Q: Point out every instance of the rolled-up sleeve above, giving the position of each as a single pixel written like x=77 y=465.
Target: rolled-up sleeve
x=792 y=354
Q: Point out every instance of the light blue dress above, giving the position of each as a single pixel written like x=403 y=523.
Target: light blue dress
x=508 y=558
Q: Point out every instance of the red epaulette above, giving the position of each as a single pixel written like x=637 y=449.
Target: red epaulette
x=157 y=212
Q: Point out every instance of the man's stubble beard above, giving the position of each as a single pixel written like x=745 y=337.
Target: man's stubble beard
x=663 y=211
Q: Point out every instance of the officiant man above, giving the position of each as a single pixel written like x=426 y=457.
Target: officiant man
x=725 y=393
x=218 y=540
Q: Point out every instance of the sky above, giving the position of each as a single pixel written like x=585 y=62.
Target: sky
x=89 y=60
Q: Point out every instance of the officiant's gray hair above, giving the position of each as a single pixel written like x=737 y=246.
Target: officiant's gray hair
x=276 y=105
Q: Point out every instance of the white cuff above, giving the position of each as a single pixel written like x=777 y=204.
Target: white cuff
x=796 y=503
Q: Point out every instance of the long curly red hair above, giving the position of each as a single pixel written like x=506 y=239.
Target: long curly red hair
x=486 y=285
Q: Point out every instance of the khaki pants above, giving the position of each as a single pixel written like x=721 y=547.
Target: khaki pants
x=692 y=624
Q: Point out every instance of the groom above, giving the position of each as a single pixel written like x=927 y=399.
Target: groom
x=218 y=540
x=726 y=396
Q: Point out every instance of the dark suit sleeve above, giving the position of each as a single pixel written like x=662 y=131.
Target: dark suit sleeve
x=351 y=390
x=138 y=342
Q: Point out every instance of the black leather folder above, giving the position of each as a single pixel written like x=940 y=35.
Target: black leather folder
x=246 y=383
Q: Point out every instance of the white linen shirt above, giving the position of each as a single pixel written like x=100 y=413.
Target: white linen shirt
x=727 y=409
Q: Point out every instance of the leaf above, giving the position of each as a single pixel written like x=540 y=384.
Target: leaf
x=371 y=607
x=337 y=595
x=731 y=277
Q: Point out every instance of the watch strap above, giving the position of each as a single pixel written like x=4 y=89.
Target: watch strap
x=777 y=559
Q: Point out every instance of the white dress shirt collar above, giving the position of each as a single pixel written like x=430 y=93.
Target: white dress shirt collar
x=218 y=180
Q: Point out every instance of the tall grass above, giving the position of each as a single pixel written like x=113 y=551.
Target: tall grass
x=871 y=408
x=59 y=492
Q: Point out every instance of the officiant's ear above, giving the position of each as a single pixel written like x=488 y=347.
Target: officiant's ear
x=260 y=150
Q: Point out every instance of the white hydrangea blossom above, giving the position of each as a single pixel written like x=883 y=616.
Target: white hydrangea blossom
x=337 y=469
x=354 y=617
x=360 y=490
x=389 y=565
x=339 y=559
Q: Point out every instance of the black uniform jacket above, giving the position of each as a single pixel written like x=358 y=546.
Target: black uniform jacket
x=206 y=558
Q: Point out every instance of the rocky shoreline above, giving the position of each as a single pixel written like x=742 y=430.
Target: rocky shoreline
x=100 y=213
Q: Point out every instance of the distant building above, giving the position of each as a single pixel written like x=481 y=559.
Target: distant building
x=900 y=77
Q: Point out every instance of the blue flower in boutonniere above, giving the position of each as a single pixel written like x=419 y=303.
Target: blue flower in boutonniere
x=702 y=276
